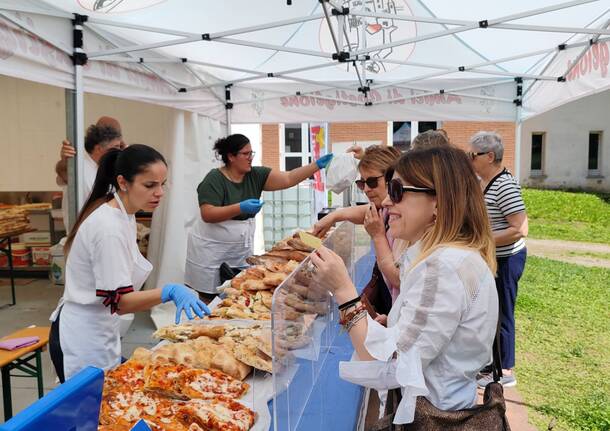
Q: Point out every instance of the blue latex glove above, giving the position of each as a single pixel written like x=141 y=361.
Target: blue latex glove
x=250 y=206
x=323 y=161
x=185 y=299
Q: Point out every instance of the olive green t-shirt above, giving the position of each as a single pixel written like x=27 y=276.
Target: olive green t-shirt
x=218 y=190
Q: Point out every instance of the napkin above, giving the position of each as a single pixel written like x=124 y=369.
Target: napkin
x=18 y=343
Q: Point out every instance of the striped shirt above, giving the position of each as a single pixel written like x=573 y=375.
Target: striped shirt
x=503 y=198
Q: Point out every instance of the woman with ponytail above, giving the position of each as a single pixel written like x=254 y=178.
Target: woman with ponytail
x=105 y=269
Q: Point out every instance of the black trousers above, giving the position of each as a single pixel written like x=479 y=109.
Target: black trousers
x=57 y=355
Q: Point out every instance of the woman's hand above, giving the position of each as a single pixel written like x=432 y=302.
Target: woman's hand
x=373 y=222
x=323 y=161
x=331 y=274
x=322 y=226
x=185 y=299
x=357 y=150
x=251 y=206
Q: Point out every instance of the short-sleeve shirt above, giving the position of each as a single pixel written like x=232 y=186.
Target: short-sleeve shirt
x=503 y=198
x=218 y=190
x=100 y=257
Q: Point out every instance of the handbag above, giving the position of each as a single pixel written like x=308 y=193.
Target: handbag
x=376 y=294
x=490 y=416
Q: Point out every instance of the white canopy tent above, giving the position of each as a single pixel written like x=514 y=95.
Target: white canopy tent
x=246 y=61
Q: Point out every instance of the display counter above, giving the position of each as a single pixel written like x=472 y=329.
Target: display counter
x=304 y=391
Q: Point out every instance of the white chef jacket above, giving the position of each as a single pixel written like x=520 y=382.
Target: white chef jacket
x=440 y=332
x=104 y=257
x=88 y=178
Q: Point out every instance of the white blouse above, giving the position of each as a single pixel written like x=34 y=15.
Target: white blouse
x=440 y=332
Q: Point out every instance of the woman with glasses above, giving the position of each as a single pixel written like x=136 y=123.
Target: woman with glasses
x=385 y=282
x=509 y=224
x=441 y=327
x=229 y=198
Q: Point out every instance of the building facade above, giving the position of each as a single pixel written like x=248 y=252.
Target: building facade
x=567 y=147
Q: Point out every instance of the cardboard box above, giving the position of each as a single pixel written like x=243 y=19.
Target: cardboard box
x=37 y=238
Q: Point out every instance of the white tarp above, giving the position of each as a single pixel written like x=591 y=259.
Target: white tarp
x=589 y=74
x=247 y=43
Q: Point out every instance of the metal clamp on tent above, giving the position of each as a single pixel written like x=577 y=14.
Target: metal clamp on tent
x=342 y=57
x=483 y=24
x=518 y=102
x=369 y=103
x=182 y=90
x=519 y=80
x=337 y=12
x=79 y=58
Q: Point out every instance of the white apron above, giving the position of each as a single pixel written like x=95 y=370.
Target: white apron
x=210 y=244
x=89 y=334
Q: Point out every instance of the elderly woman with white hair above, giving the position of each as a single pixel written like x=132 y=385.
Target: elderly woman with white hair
x=508 y=219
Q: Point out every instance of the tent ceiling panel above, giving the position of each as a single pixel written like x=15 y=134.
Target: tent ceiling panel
x=417 y=52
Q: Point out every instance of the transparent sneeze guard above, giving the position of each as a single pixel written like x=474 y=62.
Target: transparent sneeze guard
x=304 y=323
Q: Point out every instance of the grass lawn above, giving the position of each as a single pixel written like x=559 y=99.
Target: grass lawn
x=568 y=216
x=563 y=345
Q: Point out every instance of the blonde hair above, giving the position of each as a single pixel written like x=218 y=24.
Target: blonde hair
x=379 y=158
x=461 y=219
x=430 y=138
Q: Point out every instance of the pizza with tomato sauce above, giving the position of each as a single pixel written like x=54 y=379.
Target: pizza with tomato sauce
x=217 y=414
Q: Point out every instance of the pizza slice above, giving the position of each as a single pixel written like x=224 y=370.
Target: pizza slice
x=218 y=414
x=129 y=374
x=161 y=379
x=195 y=383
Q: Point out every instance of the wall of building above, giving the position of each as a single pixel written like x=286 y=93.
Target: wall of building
x=345 y=132
x=271 y=145
x=565 y=152
x=33 y=124
x=460 y=132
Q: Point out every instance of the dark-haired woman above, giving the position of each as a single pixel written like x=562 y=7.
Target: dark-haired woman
x=104 y=268
x=229 y=198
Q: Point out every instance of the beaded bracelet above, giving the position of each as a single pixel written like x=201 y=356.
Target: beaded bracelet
x=355 y=320
x=346 y=317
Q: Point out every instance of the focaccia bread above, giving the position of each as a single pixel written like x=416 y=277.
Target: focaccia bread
x=187 y=331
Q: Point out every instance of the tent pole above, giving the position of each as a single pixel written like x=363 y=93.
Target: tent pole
x=518 y=144
x=228 y=107
x=75 y=123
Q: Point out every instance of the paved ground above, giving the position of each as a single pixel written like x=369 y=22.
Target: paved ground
x=579 y=253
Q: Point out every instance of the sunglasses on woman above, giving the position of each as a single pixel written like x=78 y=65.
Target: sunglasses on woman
x=372 y=182
x=396 y=190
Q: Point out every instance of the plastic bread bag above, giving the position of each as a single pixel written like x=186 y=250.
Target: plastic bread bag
x=341 y=172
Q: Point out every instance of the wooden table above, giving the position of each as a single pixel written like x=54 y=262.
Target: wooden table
x=6 y=237
x=14 y=359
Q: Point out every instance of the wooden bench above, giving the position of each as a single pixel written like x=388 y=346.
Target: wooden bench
x=19 y=360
